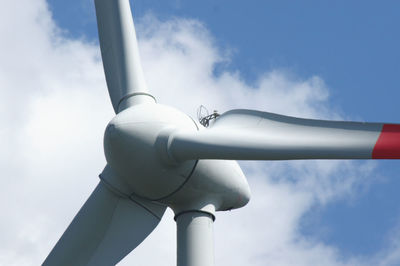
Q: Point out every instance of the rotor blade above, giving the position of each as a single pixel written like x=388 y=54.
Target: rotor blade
x=255 y=135
x=120 y=53
x=105 y=230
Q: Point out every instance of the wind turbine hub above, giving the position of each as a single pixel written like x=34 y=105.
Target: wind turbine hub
x=136 y=148
x=130 y=145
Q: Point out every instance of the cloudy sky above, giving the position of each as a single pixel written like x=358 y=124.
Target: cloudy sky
x=318 y=59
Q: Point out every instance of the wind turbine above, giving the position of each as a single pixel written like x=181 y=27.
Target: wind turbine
x=158 y=157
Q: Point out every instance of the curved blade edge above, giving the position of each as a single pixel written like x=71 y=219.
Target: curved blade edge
x=105 y=230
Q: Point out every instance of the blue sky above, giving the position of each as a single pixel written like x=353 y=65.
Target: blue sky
x=353 y=46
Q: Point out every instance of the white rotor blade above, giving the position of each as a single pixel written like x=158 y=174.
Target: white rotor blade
x=105 y=230
x=120 y=53
x=255 y=135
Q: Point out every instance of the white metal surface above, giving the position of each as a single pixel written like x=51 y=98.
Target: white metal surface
x=134 y=145
x=130 y=146
x=255 y=135
x=195 y=239
x=105 y=230
x=215 y=185
x=120 y=54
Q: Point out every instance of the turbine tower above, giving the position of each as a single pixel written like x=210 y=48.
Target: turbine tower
x=158 y=157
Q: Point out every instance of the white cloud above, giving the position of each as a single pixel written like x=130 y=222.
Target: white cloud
x=55 y=106
x=180 y=56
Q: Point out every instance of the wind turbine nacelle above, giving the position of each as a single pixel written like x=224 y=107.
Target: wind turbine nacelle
x=135 y=145
x=215 y=185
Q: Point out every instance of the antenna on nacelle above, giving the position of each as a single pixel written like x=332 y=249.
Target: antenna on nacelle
x=205 y=117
